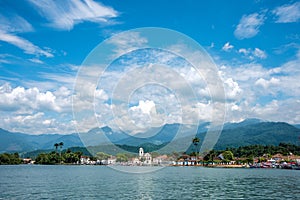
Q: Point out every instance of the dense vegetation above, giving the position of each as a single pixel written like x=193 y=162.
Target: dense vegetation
x=251 y=151
x=260 y=150
x=53 y=157
x=122 y=154
x=10 y=159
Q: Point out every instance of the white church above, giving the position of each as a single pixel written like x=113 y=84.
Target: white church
x=145 y=158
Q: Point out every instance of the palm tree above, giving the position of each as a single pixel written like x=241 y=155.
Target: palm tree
x=56 y=146
x=61 y=144
x=196 y=141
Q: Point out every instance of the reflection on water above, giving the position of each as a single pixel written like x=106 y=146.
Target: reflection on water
x=99 y=182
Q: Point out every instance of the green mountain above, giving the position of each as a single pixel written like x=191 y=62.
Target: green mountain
x=20 y=142
x=248 y=132
x=266 y=133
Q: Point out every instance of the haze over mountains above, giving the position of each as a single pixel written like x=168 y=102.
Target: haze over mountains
x=249 y=131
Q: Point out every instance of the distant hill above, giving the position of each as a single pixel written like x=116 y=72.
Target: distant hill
x=14 y=141
x=253 y=131
x=20 y=142
x=246 y=122
x=247 y=132
x=297 y=125
x=265 y=133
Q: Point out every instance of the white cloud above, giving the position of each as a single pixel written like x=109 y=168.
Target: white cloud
x=15 y=24
x=251 y=54
x=9 y=27
x=267 y=83
x=36 y=60
x=65 y=14
x=249 y=25
x=243 y=51
x=127 y=41
x=31 y=100
x=259 y=53
x=233 y=91
x=142 y=117
x=227 y=47
x=245 y=73
x=37 y=123
x=65 y=77
x=287 y=13
x=100 y=95
x=146 y=107
x=35 y=112
x=270 y=94
x=266 y=110
x=24 y=44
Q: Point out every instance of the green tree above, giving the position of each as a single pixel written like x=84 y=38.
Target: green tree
x=15 y=159
x=249 y=159
x=228 y=155
x=78 y=155
x=196 y=141
x=56 y=146
x=122 y=157
x=70 y=157
x=4 y=159
x=54 y=158
x=10 y=159
x=102 y=156
x=43 y=159
x=61 y=144
x=209 y=157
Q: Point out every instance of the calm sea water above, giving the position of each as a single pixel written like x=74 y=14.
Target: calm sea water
x=100 y=182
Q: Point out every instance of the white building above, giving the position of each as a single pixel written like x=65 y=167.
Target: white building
x=136 y=161
x=148 y=159
x=141 y=153
x=161 y=160
x=145 y=158
x=111 y=160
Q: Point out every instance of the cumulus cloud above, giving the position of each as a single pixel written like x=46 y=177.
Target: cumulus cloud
x=37 y=123
x=64 y=15
x=249 y=26
x=232 y=89
x=146 y=107
x=287 y=13
x=30 y=100
x=30 y=110
x=270 y=94
x=144 y=116
x=227 y=47
x=267 y=83
x=251 y=54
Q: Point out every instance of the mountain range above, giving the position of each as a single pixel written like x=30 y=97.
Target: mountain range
x=247 y=132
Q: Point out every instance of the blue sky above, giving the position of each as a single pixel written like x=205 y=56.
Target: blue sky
x=255 y=45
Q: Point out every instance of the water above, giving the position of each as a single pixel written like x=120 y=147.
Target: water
x=100 y=182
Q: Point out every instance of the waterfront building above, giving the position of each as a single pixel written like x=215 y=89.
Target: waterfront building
x=145 y=158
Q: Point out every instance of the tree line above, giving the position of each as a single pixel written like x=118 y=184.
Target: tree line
x=260 y=150
x=10 y=159
x=247 y=153
x=69 y=157
x=54 y=157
